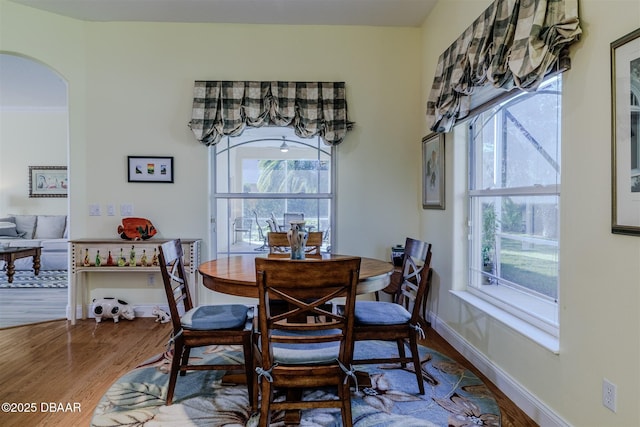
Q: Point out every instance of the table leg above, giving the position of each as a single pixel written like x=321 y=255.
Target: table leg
x=73 y=297
x=11 y=269
x=36 y=262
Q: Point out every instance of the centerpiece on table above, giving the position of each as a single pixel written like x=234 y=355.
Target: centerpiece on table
x=297 y=237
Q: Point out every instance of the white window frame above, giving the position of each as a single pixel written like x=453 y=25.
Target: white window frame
x=532 y=315
x=273 y=134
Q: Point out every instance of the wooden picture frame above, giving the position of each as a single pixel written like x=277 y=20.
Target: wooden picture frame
x=625 y=138
x=48 y=181
x=150 y=169
x=433 y=171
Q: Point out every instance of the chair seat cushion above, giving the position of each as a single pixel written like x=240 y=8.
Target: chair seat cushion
x=302 y=354
x=228 y=316
x=380 y=313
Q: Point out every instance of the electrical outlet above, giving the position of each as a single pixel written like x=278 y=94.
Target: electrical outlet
x=609 y=394
x=94 y=210
x=111 y=210
x=126 y=209
x=151 y=280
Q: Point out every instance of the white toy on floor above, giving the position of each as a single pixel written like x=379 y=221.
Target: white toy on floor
x=112 y=308
x=161 y=315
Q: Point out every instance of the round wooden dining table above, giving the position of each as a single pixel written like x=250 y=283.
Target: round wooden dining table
x=236 y=275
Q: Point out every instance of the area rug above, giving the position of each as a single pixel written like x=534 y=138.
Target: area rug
x=26 y=279
x=454 y=396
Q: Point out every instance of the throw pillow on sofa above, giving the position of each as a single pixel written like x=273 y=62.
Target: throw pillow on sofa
x=8 y=228
x=50 y=226
x=25 y=224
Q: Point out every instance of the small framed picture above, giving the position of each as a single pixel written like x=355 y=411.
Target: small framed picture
x=625 y=99
x=433 y=171
x=150 y=169
x=48 y=181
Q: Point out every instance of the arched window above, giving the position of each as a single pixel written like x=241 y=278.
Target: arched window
x=260 y=178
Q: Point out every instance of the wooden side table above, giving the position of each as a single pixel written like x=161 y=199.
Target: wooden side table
x=10 y=254
x=85 y=252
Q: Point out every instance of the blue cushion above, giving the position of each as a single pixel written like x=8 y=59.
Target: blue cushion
x=380 y=313
x=301 y=354
x=229 y=316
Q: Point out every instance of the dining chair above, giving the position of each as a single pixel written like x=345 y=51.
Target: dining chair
x=276 y=225
x=229 y=324
x=294 y=354
x=242 y=225
x=399 y=321
x=278 y=243
x=261 y=234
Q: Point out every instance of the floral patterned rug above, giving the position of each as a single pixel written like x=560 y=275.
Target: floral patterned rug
x=454 y=396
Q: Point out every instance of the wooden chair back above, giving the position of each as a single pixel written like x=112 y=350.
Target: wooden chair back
x=306 y=286
x=278 y=243
x=416 y=274
x=174 y=278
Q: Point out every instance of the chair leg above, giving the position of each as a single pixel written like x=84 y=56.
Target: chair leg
x=247 y=347
x=266 y=392
x=178 y=347
x=401 y=351
x=344 y=393
x=185 y=360
x=413 y=343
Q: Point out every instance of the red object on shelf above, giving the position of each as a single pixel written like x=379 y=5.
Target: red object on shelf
x=136 y=229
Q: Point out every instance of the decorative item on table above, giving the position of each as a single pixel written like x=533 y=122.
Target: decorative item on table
x=397 y=253
x=112 y=308
x=110 y=260
x=154 y=259
x=161 y=315
x=98 y=259
x=136 y=229
x=297 y=237
x=86 y=261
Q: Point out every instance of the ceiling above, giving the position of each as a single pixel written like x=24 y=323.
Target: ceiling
x=404 y=13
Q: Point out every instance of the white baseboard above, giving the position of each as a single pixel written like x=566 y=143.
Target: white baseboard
x=529 y=403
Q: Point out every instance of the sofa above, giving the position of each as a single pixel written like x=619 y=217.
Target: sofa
x=51 y=232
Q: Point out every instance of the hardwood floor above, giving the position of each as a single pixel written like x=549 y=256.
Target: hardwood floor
x=21 y=306
x=58 y=366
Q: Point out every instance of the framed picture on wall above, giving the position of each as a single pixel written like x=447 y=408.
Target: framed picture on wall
x=433 y=171
x=150 y=169
x=625 y=140
x=48 y=181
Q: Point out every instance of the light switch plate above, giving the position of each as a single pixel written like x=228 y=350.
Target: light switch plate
x=94 y=209
x=126 y=209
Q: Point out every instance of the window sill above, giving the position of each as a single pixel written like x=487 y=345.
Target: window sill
x=535 y=334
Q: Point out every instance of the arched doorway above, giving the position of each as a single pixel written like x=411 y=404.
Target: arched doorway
x=35 y=132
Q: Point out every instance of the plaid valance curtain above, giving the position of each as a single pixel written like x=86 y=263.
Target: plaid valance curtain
x=514 y=43
x=311 y=108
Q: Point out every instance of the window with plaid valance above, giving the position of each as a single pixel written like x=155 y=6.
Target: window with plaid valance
x=514 y=43
x=310 y=108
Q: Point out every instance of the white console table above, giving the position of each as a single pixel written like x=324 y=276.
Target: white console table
x=92 y=256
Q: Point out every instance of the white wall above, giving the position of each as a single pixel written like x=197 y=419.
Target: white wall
x=600 y=272
x=131 y=88
x=30 y=138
